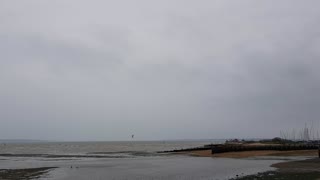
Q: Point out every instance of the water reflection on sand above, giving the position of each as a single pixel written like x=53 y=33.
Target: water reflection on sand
x=163 y=167
x=125 y=160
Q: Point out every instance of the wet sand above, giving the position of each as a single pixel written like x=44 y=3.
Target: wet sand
x=158 y=168
x=19 y=174
x=294 y=170
x=101 y=162
x=170 y=167
x=309 y=165
x=174 y=166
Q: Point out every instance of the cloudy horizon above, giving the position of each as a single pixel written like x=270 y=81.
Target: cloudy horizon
x=103 y=70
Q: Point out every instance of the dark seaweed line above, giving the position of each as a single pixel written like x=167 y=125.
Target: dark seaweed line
x=60 y=156
x=27 y=174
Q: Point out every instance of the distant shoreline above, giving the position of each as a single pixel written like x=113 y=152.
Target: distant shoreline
x=22 y=141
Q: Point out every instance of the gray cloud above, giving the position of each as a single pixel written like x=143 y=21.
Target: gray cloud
x=101 y=70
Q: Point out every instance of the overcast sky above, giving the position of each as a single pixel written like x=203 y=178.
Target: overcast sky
x=165 y=69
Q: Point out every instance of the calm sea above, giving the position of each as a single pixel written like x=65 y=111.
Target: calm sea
x=124 y=148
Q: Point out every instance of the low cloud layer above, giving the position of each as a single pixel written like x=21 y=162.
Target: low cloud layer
x=103 y=70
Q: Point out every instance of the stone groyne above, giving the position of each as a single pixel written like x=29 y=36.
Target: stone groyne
x=238 y=148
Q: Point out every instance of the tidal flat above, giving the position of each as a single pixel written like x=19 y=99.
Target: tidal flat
x=293 y=170
x=170 y=167
x=24 y=174
x=126 y=160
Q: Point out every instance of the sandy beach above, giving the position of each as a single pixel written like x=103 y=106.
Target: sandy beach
x=28 y=173
x=289 y=170
x=246 y=154
x=293 y=170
